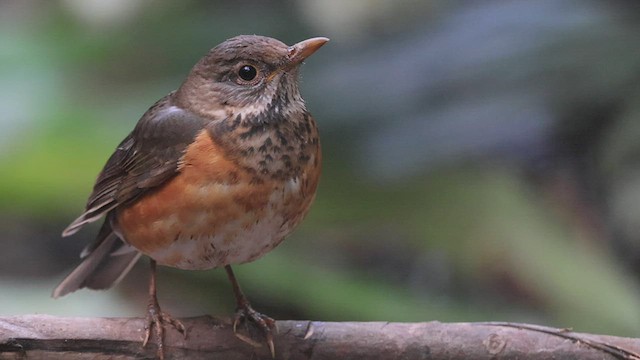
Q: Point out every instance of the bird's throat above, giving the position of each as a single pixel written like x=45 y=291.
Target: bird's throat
x=269 y=144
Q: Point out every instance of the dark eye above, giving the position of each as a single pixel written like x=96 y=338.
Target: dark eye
x=247 y=73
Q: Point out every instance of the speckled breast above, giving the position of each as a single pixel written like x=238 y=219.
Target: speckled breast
x=214 y=212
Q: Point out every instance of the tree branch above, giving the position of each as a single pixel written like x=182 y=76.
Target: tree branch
x=48 y=337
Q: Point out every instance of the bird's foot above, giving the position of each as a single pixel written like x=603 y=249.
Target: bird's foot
x=155 y=322
x=265 y=325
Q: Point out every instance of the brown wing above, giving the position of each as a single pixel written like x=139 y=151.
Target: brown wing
x=146 y=158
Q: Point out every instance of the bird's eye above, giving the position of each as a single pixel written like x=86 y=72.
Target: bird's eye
x=247 y=72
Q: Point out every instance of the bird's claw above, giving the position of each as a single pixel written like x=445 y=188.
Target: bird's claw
x=156 y=321
x=264 y=323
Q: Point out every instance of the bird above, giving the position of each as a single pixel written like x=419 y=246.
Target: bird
x=216 y=173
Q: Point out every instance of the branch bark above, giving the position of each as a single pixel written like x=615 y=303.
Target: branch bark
x=48 y=337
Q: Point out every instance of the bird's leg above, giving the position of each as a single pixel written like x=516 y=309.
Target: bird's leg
x=156 y=318
x=244 y=312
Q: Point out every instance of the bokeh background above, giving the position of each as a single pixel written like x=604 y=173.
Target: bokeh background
x=481 y=157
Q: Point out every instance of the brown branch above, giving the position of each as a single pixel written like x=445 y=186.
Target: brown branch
x=48 y=337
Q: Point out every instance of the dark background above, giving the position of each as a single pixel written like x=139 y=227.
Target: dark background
x=481 y=157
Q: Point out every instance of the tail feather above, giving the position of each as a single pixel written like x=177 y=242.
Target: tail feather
x=102 y=268
x=89 y=216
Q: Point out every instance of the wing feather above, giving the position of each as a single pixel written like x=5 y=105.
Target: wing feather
x=146 y=158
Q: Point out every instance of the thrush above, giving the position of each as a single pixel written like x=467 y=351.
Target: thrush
x=216 y=173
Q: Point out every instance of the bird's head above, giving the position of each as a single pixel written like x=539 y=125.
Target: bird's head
x=247 y=75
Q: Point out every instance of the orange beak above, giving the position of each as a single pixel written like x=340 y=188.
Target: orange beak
x=302 y=50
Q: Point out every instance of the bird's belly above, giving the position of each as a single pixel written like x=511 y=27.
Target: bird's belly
x=196 y=225
x=203 y=241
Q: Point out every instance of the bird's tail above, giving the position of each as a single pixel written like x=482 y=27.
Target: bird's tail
x=103 y=265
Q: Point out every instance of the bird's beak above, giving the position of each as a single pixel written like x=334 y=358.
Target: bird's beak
x=304 y=49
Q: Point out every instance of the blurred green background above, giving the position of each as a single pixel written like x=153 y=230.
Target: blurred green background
x=481 y=160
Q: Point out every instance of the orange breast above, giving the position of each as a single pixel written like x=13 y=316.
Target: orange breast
x=212 y=213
